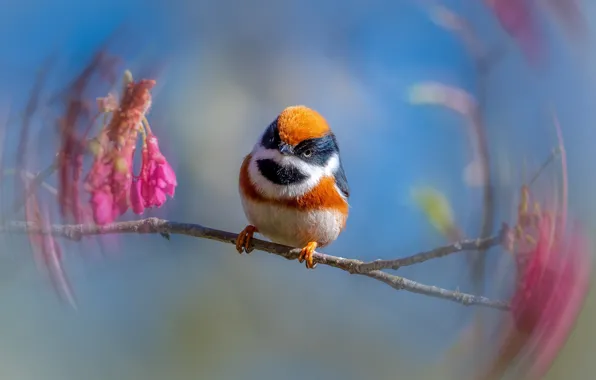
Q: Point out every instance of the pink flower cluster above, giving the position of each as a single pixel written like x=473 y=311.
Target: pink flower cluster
x=111 y=181
x=553 y=285
x=156 y=180
x=554 y=273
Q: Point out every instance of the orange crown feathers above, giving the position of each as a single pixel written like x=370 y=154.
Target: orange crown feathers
x=299 y=123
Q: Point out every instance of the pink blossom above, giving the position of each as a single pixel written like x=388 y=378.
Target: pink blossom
x=107 y=206
x=156 y=180
x=109 y=182
x=552 y=290
x=136 y=199
x=553 y=283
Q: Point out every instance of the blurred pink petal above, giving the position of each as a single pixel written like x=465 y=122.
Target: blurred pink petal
x=560 y=287
x=518 y=19
x=52 y=258
x=553 y=283
x=47 y=251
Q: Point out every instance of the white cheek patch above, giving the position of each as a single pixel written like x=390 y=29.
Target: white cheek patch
x=313 y=173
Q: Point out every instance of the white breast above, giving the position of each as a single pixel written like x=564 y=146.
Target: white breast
x=292 y=227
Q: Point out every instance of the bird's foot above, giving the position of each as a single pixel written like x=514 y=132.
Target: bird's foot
x=244 y=239
x=306 y=254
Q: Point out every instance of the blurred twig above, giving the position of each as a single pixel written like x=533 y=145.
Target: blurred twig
x=554 y=154
x=30 y=109
x=32 y=178
x=35 y=182
x=160 y=226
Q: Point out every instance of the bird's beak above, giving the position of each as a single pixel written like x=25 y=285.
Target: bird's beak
x=285 y=149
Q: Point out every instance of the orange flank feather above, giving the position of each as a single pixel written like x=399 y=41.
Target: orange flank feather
x=299 y=123
x=323 y=196
x=246 y=186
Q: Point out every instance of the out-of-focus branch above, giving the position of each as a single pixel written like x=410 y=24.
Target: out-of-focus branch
x=155 y=226
x=32 y=178
x=35 y=182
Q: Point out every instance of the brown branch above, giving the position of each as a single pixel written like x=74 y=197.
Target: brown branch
x=155 y=225
x=463 y=245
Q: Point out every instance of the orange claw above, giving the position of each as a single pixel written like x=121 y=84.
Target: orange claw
x=244 y=239
x=306 y=254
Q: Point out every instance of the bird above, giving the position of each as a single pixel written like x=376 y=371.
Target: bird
x=293 y=186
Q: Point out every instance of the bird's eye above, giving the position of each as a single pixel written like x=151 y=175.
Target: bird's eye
x=307 y=153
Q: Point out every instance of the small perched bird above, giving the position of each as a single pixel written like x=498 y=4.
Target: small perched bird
x=293 y=186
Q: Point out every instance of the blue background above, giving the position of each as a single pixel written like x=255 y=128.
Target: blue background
x=193 y=309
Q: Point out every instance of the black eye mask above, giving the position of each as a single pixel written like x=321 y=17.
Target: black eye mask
x=320 y=150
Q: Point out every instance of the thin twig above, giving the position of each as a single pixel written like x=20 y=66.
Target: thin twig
x=36 y=181
x=155 y=226
x=460 y=246
x=551 y=157
x=31 y=177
